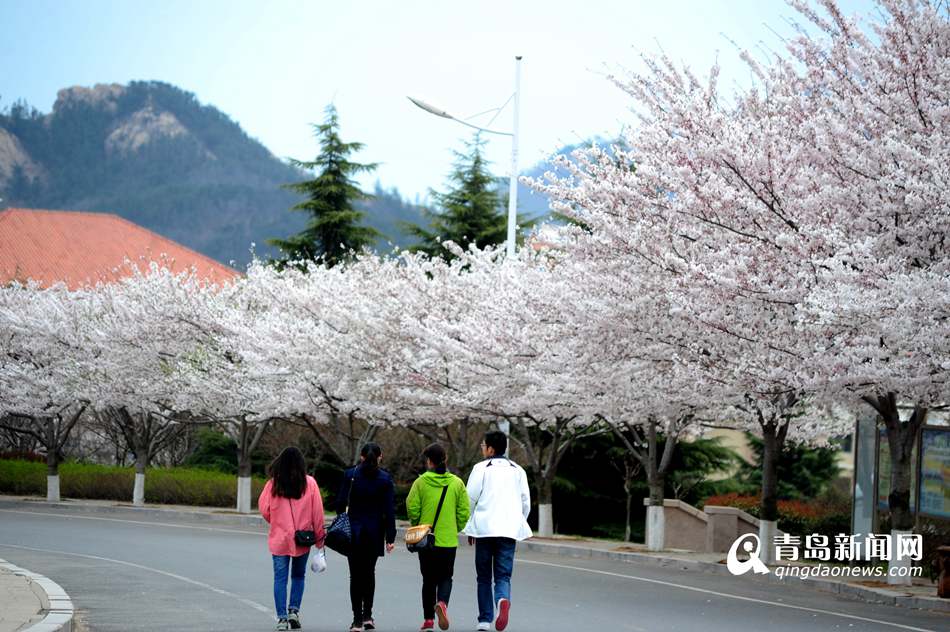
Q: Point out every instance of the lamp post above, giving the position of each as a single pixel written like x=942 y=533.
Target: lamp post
x=513 y=181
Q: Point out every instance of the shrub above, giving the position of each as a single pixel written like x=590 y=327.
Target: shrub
x=803 y=471
x=215 y=451
x=179 y=486
x=101 y=482
x=825 y=515
x=21 y=455
x=401 y=493
x=749 y=504
x=22 y=477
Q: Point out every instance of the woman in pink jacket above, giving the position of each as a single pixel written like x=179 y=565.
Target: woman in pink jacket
x=290 y=502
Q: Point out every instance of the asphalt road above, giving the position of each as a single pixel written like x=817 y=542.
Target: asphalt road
x=126 y=574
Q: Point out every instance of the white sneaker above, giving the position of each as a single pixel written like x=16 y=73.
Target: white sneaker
x=483 y=626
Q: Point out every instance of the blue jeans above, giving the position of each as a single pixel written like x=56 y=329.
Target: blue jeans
x=494 y=558
x=298 y=571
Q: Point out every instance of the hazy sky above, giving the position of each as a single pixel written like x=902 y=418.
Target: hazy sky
x=273 y=66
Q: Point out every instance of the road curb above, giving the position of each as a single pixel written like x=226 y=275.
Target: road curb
x=56 y=603
x=157 y=513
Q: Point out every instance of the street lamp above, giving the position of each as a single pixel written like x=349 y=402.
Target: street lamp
x=513 y=181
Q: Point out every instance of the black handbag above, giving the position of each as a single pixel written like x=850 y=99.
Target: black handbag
x=427 y=540
x=340 y=532
x=302 y=537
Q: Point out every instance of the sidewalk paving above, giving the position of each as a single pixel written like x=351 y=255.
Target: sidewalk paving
x=19 y=605
x=30 y=602
x=921 y=595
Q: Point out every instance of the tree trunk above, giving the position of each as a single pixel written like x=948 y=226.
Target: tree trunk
x=139 y=432
x=656 y=467
x=901 y=439
x=774 y=432
x=138 y=492
x=244 y=485
x=546 y=505
x=656 y=515
x=545 y=447
x=249 y=436
x=629 y=473
x=657 y=484
x=627 y=529
x=244 y=449
x=898 y=500
x=770 y=453
x=52 y=475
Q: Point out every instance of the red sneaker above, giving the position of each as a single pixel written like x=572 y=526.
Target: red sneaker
x=428 y=626
x=502 y=621
x=442 y=613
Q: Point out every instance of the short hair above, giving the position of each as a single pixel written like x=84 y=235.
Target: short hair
x=497 y=440
x=435 y=453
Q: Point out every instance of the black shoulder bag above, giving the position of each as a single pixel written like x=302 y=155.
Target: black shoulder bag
x=422 y=537
x=301 y=537
x=340 y=533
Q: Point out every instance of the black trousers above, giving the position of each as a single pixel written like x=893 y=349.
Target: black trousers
x=362 y=561
x=437 y=566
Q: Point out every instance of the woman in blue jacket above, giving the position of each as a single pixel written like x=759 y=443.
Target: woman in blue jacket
x=367 y=494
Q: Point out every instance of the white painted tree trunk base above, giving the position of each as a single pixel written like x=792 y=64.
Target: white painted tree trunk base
x=546 y=520
x=898 y=571
x=138 y=493
x=244 y=494
x=52 y=489
x=768 y=529
x=656 y=528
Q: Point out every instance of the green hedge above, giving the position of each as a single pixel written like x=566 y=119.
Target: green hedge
x=174 y=486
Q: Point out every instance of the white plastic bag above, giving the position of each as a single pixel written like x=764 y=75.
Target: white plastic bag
x=318 y=561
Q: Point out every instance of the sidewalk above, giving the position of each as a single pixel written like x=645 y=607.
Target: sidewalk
x=30 y=602
x=922 y=595
x=18 y=605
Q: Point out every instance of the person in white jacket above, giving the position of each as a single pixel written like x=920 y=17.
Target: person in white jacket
x=500 y=503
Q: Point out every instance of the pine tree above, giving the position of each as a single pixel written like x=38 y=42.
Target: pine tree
x=335 y=227
x=471 y=211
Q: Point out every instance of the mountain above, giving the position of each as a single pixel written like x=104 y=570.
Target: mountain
x=153 y=154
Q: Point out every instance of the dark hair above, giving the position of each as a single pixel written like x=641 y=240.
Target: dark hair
x=497 y=440
x=289 y=473
x=436 y=453
x=370 y=453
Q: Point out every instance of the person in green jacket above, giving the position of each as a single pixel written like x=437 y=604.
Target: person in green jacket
x=438 y=564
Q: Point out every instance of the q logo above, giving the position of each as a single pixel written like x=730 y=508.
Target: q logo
x=739 y=568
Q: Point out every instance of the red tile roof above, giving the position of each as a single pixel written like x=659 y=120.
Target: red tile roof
x=85 y=248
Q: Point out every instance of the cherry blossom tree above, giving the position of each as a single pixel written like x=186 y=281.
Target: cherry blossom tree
x=305 y=342
x=140 y=329
x=222 y=380
x=767 y=216
x=42 y=394
x=880 y=138
x=144 y=434
x=488 y=340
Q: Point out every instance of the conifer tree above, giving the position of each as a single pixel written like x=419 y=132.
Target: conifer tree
x=471 y=211
x=335 y=227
